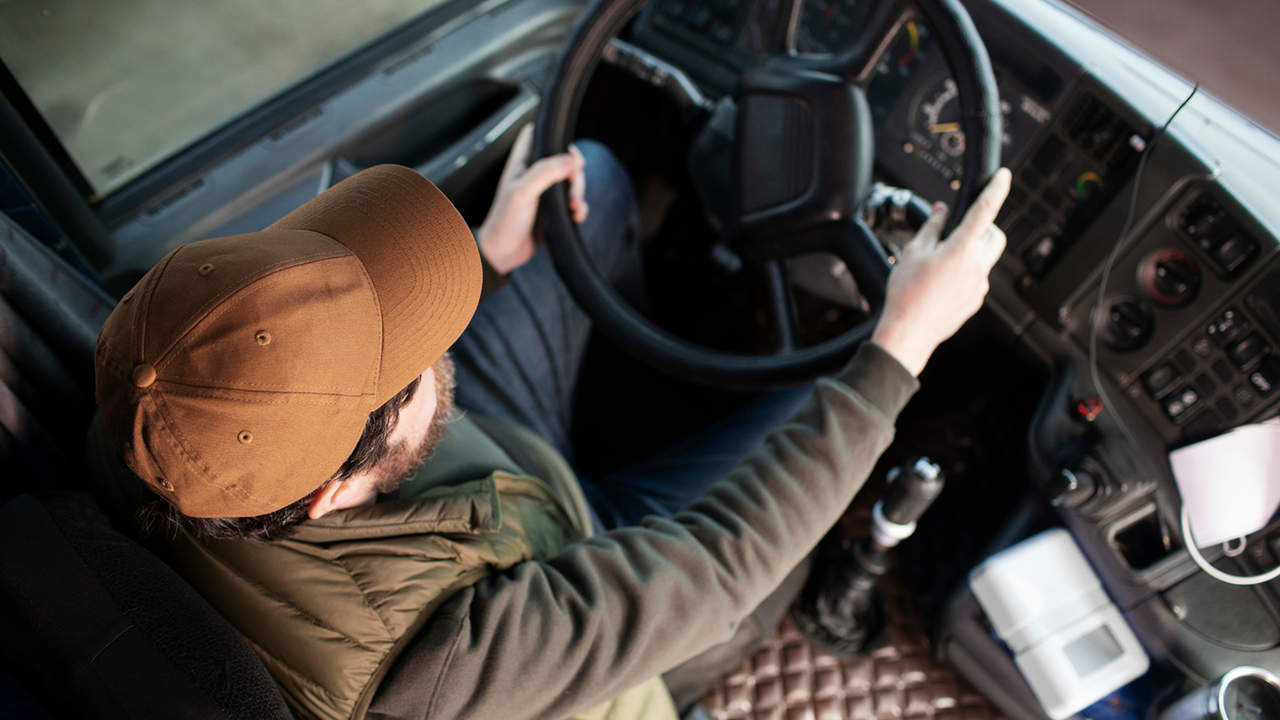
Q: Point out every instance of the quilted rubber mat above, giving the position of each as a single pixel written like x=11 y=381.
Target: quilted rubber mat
x=788 y=679
x=899 y=679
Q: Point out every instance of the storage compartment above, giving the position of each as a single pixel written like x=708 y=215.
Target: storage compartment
x=429 y=127
x=1142 y=540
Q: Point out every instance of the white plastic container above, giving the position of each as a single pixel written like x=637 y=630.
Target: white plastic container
x=1068 y=638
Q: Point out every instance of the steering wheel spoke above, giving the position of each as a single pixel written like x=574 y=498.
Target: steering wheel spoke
x=860 y=250
x=782 y=310
x=852 y=241
x=858 y=63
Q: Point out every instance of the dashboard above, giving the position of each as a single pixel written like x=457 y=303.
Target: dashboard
x=1143 y=266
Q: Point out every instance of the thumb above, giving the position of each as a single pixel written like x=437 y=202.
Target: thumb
x=547 y=172
x=519 y=156
x=931 y=231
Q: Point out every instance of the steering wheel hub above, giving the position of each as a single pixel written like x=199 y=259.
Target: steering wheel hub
x=804 y=150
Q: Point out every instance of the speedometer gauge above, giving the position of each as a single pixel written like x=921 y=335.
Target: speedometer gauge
x=936 y=135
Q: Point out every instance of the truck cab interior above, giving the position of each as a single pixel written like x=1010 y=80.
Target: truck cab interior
x=781 y=151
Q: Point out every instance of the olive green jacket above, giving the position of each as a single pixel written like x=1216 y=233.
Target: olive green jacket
x=476 y=595
x=329 y=609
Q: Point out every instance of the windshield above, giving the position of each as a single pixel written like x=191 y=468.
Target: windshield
x=126 y=83
x=1231 y=52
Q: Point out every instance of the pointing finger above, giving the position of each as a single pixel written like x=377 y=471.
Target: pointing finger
x=984 y=210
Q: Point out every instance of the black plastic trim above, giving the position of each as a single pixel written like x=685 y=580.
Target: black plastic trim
x=42 y=166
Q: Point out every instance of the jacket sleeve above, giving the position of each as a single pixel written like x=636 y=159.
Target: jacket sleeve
x=552 y=638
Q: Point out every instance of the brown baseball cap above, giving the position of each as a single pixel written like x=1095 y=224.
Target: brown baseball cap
x=237 y=375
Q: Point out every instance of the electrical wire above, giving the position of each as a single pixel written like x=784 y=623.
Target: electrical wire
x=1214 y=572
x=1095 y=321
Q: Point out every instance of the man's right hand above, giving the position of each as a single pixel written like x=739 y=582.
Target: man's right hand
x=937 y=286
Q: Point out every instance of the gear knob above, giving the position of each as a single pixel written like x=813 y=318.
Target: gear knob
x=912 y=489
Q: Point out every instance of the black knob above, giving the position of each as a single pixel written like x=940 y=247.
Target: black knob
x=1127 y=324
x=1170 y=277
x=912 y=489
x=1071 y=487
x=1202 y=218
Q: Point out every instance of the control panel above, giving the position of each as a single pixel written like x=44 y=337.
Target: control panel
x=1190 y=326
x=1075 y=169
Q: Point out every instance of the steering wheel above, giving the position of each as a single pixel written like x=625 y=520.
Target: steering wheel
x=803 y=150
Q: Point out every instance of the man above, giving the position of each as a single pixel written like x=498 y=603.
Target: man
x=277 y=391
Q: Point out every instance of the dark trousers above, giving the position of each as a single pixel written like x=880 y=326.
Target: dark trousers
x=520 y=358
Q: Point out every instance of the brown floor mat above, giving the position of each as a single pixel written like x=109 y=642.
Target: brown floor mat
x=789 y=679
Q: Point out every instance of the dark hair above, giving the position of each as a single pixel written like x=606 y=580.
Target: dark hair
x=373 y=446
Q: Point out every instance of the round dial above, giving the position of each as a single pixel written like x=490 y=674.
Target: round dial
x=935 y=127
x=1170 y=277
x=1126 y=324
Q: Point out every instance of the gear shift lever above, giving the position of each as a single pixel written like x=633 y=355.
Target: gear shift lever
x=839 y=610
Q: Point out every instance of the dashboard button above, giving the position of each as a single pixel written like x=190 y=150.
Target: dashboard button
x=1039 y=253
x=1181 y=403
x=1049 y=157
x=1158 y=379
x=1266 y=377
x=1205 y=384
x=1229 y=324
x=1226 y=409
x=1202 y=347
x=1234 y=253
x=1243 y=395
x=1053 y=198
x=1203 y=219
x=1225 y=372
x=1247 y=350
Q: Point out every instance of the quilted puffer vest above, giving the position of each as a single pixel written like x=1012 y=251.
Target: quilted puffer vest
x=330 y=609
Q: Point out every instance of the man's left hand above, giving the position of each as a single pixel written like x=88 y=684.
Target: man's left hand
x=506 y=235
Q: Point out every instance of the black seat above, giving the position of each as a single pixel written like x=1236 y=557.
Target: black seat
x=94 y=624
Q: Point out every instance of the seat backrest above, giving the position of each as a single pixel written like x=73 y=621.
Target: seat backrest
x=93 y=624
x=103 y=628
x=49 y=320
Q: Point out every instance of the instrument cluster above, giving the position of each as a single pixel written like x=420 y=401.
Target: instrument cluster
x=913 y=100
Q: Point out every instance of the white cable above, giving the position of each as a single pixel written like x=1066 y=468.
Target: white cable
x=1214 y=572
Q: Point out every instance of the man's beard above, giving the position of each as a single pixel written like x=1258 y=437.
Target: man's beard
x=404 y=459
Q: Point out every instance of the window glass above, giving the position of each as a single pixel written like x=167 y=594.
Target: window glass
x=1230 y=48
x=125 y=83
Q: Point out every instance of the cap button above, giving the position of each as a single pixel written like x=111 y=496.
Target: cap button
x=144 y=375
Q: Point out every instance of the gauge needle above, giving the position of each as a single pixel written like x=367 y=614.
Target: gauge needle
x=944 y=127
